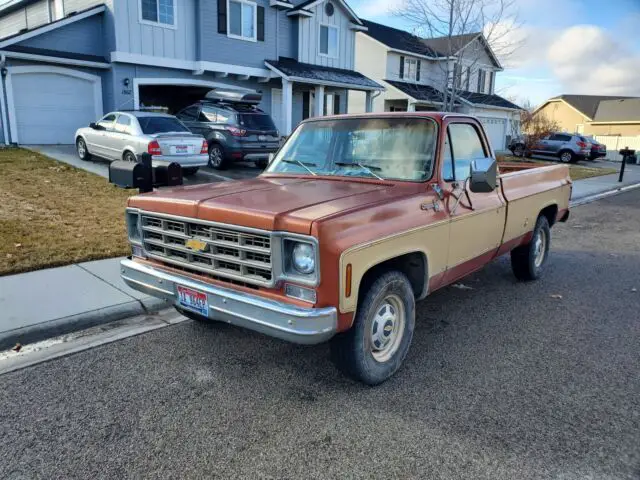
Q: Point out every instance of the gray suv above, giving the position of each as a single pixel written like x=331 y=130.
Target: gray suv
x=235 y=129
x=567 y=147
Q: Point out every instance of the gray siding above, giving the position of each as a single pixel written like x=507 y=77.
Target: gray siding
x=136 y=37
x=218 y=47
x=309 y=38
x=37 y=14
x=84 y=36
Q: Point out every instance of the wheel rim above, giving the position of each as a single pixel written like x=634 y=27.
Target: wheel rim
x=540 y=248
x=387 y=328
x=519 y=151
x=215 y=156
x=130 y=158
x=82 y=149
x=566 y=157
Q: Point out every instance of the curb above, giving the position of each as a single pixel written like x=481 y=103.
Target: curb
x=81 y=321
x=601 y=195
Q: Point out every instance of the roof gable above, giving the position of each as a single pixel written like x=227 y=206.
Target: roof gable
x=306 y=5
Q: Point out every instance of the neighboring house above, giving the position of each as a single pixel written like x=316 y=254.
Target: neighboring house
x=594 y=115
x=411 y=69
x=66 y=62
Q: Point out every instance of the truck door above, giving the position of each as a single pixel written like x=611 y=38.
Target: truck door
x=476 y=219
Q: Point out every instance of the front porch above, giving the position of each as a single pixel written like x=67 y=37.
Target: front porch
x=313 y=90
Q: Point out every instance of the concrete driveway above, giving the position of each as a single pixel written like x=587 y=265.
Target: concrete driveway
x=67 y=154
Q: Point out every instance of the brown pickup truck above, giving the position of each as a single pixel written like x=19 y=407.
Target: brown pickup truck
x=355 y=219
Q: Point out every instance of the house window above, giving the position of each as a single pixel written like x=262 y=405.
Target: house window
x=411 y=69
x=158 y=11
x=481 y=80
x=329 y=41
x=242 y=20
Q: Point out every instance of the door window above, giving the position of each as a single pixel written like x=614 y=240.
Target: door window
x=189 y=114
x=462 y=146
x=123 y=124
x=560 y=138
x=107 y=121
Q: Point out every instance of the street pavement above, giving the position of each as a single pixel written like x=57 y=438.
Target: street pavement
x=504 y=380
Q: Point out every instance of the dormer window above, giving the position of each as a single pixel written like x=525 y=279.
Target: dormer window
x=328 y=41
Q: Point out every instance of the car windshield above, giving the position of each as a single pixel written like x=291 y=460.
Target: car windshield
x=256 y=121
x=153 y=125
x=384 y=148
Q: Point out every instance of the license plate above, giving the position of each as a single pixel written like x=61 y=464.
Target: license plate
x=193 y=300
x=262 y=138
x=182 y=149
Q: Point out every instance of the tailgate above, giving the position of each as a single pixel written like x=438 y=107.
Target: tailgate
x=529 y=191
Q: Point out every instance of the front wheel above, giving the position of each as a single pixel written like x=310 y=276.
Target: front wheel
x=518 y=151
x=81 y=149
x=567 y=157
x=527 y=261
x=377 y=343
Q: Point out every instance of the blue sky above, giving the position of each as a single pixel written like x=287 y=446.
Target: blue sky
x=567 y=46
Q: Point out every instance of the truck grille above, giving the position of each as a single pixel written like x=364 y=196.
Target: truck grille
x=212 y=249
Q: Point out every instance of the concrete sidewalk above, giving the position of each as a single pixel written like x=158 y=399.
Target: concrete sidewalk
x=45 y=303
x=55 y=301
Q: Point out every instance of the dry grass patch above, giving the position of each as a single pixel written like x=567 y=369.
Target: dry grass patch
x=53 y=214
x=577 y=172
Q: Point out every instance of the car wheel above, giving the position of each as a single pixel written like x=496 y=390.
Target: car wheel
x=567 y=156
x=217 y=157
x=377 y=343
x=129 y=157
x=527 y=261
x=190 y=171
x=81 y=149
x=262 y=164
x=518 y=151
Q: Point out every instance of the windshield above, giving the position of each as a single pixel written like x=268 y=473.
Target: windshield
x=256 y=121
x=153 y=125
x=385 y=148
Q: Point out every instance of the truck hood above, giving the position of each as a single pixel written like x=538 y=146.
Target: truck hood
x=268 y=203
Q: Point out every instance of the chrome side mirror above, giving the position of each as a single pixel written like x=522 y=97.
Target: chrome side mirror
x=484 y=175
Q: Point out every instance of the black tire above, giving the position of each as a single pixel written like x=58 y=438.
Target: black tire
x=189 y=171
x=567 y=156
x=217 y=157
x=81 y=146
x=129 y=157
x=519 y=151
x=262 y=164
x=525 y=261
x=353 y=351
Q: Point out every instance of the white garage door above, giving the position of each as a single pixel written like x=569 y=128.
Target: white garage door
x=49 y=106
x=496 y=131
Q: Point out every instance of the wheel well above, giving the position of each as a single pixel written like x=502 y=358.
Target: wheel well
x=413 y=265
x=551 y=212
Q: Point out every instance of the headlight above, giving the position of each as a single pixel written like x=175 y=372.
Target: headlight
x=304 y=258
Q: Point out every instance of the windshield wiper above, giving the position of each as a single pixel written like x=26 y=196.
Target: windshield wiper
x=304 y=165
x=368 y=168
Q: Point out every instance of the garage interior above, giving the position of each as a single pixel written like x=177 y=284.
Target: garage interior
x=172 y=97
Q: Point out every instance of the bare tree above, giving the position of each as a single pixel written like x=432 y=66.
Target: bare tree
x=536 y=125
x=456 y=32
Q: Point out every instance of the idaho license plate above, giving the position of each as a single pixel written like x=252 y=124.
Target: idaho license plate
x=182 y=149
x=193 y=300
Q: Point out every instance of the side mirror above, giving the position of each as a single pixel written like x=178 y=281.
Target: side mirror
x=484 y=175
x=93 y=125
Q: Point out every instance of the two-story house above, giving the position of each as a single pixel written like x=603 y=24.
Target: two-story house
x=66 y=62
x=413 y=72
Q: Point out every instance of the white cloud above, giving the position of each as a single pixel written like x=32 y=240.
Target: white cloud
x=377 y=8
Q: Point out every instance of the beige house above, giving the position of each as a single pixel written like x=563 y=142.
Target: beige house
x=594 y=115
x=413 y=72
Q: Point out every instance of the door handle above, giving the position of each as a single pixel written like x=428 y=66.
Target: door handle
x=435 y=206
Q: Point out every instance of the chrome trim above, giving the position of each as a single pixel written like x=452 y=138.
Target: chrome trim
x=274 y=318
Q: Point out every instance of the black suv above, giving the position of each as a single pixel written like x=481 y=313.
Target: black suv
x=235 y=130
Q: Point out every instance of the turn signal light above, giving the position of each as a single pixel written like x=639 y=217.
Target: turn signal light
x=347 y=282
x=154 y=148
x=205 y=148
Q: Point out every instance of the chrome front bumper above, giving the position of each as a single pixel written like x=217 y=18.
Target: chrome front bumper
x=277 y=319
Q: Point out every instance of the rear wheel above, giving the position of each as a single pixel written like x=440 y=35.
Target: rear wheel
x=527 y=261
x=518 y=151
x=129 y=157
x=190 y=171
x=81 y=149
x=377 y=343
x=217 y=158
x=567 y=156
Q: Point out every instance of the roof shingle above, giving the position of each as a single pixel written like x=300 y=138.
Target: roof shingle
x=587 y=104
x=398 y=39
x=620 y=110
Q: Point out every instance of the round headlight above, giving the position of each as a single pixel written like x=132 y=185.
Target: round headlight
x=304 y=259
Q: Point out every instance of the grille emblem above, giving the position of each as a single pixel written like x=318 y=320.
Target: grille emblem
x=197 y=245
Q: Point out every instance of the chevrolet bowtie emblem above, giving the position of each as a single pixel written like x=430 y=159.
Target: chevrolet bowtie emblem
x=197 y=245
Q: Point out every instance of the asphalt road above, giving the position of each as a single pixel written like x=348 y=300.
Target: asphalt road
x=503 y=381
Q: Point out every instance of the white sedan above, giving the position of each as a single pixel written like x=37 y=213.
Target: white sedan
x=127 y=135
